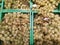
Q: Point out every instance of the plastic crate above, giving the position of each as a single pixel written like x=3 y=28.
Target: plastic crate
x=24 y=11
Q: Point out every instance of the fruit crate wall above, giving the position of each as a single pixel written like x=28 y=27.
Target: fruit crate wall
x=24 y=11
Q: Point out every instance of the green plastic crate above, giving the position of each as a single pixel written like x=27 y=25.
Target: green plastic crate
x=25 y=11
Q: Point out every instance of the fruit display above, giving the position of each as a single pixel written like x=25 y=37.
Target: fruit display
x=47 y=29
x=46 y=23
x=15 y=26
x=14 y=29
x=45 y=5
x=17 y=4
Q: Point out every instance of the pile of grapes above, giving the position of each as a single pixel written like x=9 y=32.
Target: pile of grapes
x=15 y=27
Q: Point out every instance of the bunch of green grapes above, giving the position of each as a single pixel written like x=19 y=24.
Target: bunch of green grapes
x=45 y=5
x=17 y=4
x=14 y=29
x=47 y=29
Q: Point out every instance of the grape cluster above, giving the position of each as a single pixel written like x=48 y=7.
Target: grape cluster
x=45 y=5
x=17 y=4
x=15 y=29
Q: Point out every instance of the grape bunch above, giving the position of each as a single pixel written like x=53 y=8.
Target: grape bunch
x=14 y=29
x=17 y=4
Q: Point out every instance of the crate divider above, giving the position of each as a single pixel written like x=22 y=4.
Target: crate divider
x=15 y=10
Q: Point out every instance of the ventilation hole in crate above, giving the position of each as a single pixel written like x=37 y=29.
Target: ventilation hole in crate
x=35 y=15
x=0 y=7
x=3 y=14
x=3 y=5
